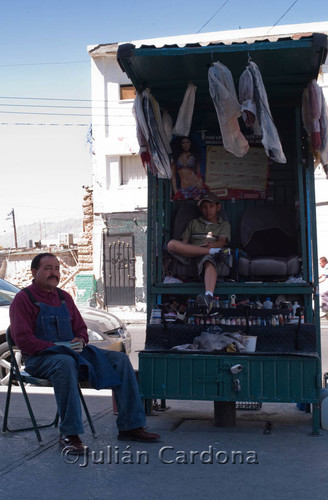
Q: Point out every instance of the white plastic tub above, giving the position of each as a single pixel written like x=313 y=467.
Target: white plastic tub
x=250 y=345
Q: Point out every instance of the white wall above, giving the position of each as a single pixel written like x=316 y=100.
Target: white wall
x=114 y=136
x=97 y=243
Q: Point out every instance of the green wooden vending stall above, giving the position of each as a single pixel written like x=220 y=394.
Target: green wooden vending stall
x=286 y=366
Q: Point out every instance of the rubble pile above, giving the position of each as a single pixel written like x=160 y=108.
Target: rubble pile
x=85 y=250
x=23 y=278
x=65 y=272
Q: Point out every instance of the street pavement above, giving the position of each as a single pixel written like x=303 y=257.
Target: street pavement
x=194 y=458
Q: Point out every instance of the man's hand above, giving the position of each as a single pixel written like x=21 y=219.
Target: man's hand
x=77 y=344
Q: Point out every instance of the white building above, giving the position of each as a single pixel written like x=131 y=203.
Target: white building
x=119 y=179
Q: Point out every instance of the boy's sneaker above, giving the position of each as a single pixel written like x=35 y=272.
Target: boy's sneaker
x=205 y=302
x=224 y=256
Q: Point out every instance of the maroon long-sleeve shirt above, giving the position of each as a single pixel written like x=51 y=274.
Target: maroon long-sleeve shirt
x=23 y=318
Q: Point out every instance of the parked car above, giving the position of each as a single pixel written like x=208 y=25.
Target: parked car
x=105 y=330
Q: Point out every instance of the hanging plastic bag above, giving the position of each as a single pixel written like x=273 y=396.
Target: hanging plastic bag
x=246 y=98
x=324 y=133
x=154 y=145
x=142 y=134
x=167 y=125
x=183 y=124
x=223 y=93
x=247 y=101
x=270 y=137
x=158 y=144
x=315 y=120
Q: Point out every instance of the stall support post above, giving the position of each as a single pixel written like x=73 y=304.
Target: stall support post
x=224 y=413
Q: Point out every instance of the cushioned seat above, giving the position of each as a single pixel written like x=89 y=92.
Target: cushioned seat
x=269 y=266
x=268 y=238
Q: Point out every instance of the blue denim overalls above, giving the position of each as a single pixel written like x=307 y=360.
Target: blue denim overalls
x=53 y=323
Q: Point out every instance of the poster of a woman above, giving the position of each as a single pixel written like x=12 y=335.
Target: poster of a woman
x=187 y=181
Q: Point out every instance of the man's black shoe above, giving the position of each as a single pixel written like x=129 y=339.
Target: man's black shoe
x=73 y=444
x=140 y=435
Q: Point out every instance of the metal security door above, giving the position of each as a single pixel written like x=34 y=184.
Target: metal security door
x=119 y=269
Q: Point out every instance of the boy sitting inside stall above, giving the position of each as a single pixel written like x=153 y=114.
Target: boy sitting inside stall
x=204 y=239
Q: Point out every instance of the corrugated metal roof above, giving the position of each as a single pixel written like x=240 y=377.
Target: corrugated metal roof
x=227 y=37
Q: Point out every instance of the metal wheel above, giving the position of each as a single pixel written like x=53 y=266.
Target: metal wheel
x=5 y=362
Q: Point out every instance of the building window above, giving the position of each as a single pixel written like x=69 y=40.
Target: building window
x=127 y=92
x=132 y=171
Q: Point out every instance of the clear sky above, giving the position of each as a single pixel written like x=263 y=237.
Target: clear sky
x=45 y=77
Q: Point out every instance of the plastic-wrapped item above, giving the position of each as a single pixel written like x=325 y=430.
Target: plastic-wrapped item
x=167 y=125
x=184 y=119
x=311 y=111
x=315 y=119
x=246 y=98
x=270 y=137
x=247 y=101
x=142 y=129
x=142 y=133
x=223 y=93
x=324 y=132
x=151 y=135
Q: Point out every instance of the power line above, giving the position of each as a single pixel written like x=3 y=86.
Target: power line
x=210 y=19
x=65 y=99
x=121 y=104
x=227 y=1
x=47 y=114
x=44 y=106
x=53 y=209
x=62 y=124
x=49 y=124
x=290 y=7
x=118 y=106
x=43 y=63
x=50 y=99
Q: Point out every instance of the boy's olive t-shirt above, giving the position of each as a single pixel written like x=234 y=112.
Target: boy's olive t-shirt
x=200 y=231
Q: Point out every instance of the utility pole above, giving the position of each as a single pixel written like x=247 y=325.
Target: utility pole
x=12 y=214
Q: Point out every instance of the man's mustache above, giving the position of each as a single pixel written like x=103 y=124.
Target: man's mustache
x=51 y=277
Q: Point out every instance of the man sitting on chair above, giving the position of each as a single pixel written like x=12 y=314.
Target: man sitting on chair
x=204 y=239
x=42 y=315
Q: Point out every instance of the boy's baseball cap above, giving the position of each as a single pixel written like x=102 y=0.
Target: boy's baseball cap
x=208 y=197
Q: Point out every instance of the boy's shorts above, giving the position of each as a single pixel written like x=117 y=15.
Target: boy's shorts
x=222 y=266
x=218 y=265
